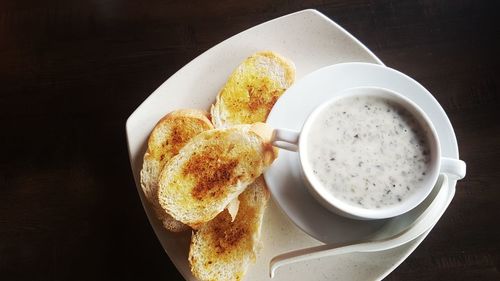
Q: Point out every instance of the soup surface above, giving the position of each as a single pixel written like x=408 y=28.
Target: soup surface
x=368 y=151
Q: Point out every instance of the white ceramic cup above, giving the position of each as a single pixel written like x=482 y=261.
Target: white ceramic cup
x=297 y=141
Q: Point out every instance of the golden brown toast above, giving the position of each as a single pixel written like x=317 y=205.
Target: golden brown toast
x=169 y=135
x=252 y=89
x=211 y=170
x=221 y=249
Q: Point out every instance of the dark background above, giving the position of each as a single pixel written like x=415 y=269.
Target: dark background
x=71 y=72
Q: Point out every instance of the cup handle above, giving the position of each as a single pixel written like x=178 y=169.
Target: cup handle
x=286 y=139
x=454 y=168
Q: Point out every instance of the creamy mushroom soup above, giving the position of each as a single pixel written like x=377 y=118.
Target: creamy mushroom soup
x=368 y=151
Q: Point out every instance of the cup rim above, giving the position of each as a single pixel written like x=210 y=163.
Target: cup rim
x=329 y=201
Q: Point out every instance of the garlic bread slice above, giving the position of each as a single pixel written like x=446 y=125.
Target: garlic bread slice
x=211 y=170
x=252 y=89
x=169 y=135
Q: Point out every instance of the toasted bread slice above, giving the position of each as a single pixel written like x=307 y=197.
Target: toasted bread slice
x=252 y=89
x=167 y=138
x=221 y=249
x=212 y=169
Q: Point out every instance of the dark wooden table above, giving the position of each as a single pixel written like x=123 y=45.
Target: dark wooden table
x=72 y=71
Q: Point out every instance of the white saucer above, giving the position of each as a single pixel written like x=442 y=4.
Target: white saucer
x=291 y=110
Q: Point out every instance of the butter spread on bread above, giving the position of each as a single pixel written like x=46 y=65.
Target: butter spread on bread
x=169 y=135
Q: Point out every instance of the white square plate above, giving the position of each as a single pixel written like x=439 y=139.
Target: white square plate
x=311 y=41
